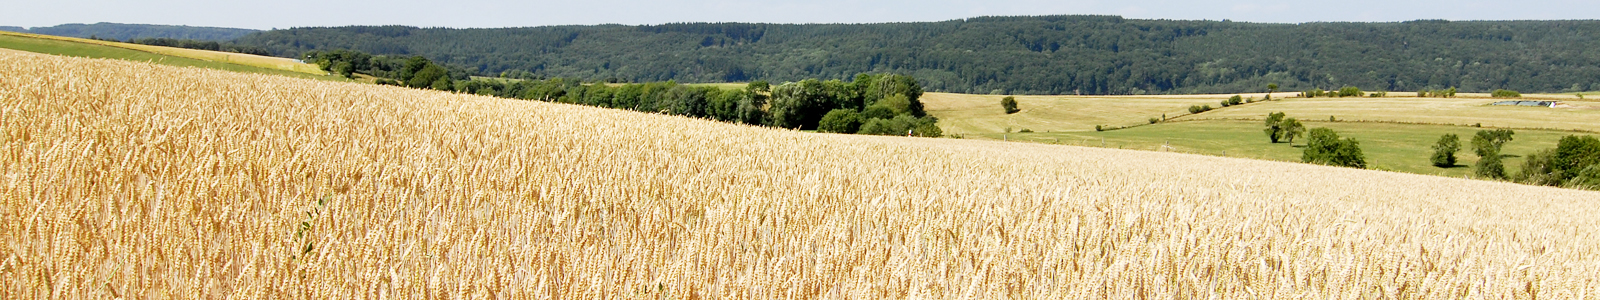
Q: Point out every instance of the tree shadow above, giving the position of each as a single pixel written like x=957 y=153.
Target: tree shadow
x=1457 y=166
x=1509 y=155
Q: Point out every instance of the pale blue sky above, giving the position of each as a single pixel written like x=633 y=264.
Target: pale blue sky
x=500 y=13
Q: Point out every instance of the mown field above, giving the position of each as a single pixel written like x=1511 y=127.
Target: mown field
x=1396 y=133
x=161 y=55
x=206 y=184
x=1394 y=147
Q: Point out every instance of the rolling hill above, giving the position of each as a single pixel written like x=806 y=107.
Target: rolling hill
x=123 y=32
x=207 y=184
x=1044 y=55
x=165 y=55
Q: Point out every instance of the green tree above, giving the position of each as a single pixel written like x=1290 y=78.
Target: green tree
x=1444 y=151
x=840 y=121
x=1505 y=94
x=876 y=112
x=1235 y=100
x=1490 y=166
x=428 y=77
x=1274 y=126
x=1324 y=146
x=1487 y=142
x=1009 y=103
x=1292 y=129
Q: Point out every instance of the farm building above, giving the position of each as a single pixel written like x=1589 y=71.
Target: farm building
x=1528 y=103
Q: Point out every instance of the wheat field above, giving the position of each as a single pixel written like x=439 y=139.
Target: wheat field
x=130 y=180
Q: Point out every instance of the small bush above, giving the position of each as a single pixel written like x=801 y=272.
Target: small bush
x=1324 y=146
x=1154 y=120
x=1350 y=91
x=1444 y=151
x=1009 y=104
x=1235 y=100
x=1099 y=128
x=1025 y=130
x=840 y=121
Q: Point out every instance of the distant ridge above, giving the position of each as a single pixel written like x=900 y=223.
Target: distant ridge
x=123 y=32
x=1017 y=55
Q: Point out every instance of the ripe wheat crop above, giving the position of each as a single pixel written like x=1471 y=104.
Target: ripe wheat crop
x=131 y=180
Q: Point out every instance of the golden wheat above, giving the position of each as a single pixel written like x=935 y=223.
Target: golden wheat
x=132 y=180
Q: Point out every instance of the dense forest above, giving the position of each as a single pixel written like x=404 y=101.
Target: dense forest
x=122 y=32
x=880 y=104
x=1016 y=55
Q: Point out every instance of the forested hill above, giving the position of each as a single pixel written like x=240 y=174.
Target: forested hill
x=124 y=32
x=1019 y=55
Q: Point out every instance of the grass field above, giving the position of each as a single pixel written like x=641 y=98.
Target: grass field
x=1396 y=133
x=69 y=48
x=1396 y=147
x=209 y=184
x=980 y=114
x=265 y=62
x=1581 y=115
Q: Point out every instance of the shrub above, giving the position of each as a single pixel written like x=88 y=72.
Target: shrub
x=877 y=112
x=1009 y=104
x=1444 y=151
x=902 y=125
x=1505 y=94
x=1274 y=125
x=1025 y=130
x=1349 y=91
x=840 y=121
x=1235 y=100
x=1225 y=103
x=1490 y=167
x=1325 y=147
x=1099 y=128
x=1154 y=120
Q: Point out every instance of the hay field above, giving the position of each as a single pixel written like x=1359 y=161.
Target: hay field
x=1394 y=147
x=1579 y=115
x=276 y=63
x=133 y=180
x=978 y=114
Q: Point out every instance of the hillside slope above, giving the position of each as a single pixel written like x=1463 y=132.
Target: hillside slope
x=201 y=183
x=1054 y=55
x=123 y=32
x=238 y=62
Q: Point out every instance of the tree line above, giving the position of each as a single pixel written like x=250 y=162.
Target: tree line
x=882 y=104
x=1015 y=55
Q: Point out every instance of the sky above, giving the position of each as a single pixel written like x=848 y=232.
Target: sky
x=504 y=13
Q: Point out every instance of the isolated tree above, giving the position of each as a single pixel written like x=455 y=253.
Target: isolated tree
x=1235 y=100
x=840 y=121
x=1271 y=88
x=1444 y=151
x=1274 y=126
x=1009 y=103
x=1486 y=144
x=1324 y=146
x=1291 y=128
